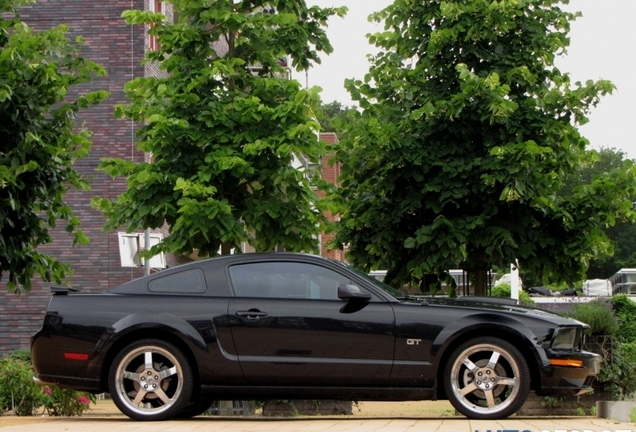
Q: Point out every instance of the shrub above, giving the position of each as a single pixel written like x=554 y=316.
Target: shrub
x=64 y=402
x=629 y=352
x=618 y=374
x=18 y=393
x=563 y=309
x=503 y=290
x=626 y=314
x=23 y=355
x=598 y=314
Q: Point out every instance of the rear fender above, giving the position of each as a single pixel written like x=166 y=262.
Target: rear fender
x=166 y=322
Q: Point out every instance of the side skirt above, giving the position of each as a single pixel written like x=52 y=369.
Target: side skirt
x=318 y=393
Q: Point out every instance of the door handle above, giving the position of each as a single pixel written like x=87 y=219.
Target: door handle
x=251 y=314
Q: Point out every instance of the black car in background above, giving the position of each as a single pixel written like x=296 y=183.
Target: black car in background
x=295 y=326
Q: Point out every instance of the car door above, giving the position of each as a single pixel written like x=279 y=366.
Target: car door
x=290 y=327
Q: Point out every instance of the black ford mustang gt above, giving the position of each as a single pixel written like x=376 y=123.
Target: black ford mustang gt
x=285 y=326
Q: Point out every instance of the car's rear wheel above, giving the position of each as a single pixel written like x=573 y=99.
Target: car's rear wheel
x=487 y=378
x=150 y=380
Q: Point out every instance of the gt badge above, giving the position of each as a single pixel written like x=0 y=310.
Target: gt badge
x=413 y=341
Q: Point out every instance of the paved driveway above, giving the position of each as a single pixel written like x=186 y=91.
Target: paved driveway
x=118 y=423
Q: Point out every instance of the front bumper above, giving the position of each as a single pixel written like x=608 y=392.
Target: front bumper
x=568 y=380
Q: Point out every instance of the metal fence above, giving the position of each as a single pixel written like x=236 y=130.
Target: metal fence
x=600 y=344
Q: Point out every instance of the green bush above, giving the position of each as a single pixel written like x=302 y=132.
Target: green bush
x=64 y=402
x=24 y=355
x=503 y=290
x=22 y=397
x=618 y=374
x=598 y=314
x=626 y=315
x=629 y=352
x=18 y=393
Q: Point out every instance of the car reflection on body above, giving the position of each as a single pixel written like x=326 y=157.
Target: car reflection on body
x=295 y=326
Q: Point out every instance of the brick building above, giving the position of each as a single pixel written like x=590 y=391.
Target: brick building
x=331 y=174
x=118 y=47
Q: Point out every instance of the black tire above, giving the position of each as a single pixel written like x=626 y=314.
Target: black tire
x=487 y=378
x=150 y=380
x=195 y=408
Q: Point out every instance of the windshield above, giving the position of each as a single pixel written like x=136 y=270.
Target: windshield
x=379 y=284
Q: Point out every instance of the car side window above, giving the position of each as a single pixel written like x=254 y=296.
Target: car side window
x=186 y=282
x=285 y=280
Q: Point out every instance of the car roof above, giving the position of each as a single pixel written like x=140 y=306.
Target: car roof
x=214 y=266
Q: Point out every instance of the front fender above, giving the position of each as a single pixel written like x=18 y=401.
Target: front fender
x=484 y=323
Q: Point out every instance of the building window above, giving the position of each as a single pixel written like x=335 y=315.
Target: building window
x=156 y=6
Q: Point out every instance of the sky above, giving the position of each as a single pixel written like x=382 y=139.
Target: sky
x=602 y=43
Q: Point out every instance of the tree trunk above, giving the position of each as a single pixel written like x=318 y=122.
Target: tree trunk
x=226 y=248
x=478 y=267
x=480 y=281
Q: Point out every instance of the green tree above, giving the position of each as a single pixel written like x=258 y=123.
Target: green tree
x=332 y=117
x=224 y=128
x=622 y=233
x=467 y=133
x=38 y=143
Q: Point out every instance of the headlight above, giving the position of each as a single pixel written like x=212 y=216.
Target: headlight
x=566 y=338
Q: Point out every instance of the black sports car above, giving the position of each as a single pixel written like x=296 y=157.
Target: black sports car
x=293 y=326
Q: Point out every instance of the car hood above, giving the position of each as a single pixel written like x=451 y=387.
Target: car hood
x=496 y=304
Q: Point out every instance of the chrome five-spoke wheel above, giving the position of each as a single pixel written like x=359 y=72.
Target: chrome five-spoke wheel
x=487 y=378
x=150 y=380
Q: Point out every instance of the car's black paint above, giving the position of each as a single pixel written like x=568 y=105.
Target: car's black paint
x=364 y=345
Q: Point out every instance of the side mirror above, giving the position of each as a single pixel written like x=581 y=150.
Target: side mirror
x=352 y=292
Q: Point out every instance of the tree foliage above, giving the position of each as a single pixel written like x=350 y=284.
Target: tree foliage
x=622 y=233
x=332 y=117
x=224 y=128
x=38 y=144
x=467 y=134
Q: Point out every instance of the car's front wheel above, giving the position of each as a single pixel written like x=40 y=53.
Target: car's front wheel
x=195 y=408
x=150 y=380
x=487 y=378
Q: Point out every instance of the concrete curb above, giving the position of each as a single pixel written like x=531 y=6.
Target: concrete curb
x=615 y=410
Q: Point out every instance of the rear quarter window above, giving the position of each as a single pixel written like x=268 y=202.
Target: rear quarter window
x=186 y=282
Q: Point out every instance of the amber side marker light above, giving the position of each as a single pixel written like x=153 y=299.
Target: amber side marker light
x=566 y=362
x=76 y=356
